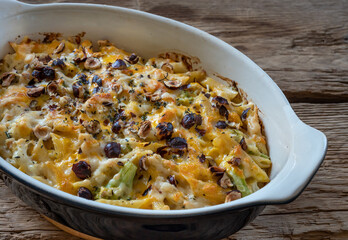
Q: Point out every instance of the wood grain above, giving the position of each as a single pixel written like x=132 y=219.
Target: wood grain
x=303 y=46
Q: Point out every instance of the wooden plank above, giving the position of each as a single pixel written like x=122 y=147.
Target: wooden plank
x=321 y=210
x=316 y=225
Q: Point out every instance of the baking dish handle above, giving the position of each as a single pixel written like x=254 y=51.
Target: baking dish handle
x=12 y=7
x=307 y=154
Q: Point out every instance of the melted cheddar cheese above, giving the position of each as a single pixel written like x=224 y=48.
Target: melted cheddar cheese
x=107 y=125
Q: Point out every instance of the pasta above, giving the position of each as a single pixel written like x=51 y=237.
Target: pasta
x=109 y=126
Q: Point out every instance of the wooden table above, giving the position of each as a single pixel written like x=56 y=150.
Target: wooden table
x=303 y=46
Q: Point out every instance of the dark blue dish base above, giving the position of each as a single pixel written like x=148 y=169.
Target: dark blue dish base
x=120 y=226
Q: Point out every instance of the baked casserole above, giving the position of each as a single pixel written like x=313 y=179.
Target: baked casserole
x=109 y=126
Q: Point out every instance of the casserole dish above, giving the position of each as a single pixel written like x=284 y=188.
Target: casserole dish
x=296 y=149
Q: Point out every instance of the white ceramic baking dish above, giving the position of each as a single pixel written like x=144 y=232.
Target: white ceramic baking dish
x=296 y=149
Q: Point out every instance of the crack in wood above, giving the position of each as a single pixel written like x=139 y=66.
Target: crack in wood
x=311 y=97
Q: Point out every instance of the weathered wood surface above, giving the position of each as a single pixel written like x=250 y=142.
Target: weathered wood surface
x=303 y=46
